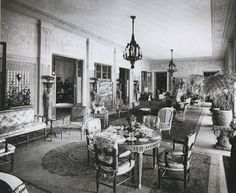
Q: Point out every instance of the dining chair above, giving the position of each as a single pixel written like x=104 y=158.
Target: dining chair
x=177 y=160
x=67 y=124
x=165 y=116
x=92 y=128
x=111 y=163
x=7 y=150
x=151 y=121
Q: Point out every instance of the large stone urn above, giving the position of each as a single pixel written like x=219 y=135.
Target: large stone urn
x=223 y=117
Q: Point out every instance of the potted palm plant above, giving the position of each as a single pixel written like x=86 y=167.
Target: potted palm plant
x=219 y=88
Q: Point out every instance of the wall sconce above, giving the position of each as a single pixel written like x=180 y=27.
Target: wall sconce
x=19 y=77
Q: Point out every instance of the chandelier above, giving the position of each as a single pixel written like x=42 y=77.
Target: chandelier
x=132 y=51
x=172 y=67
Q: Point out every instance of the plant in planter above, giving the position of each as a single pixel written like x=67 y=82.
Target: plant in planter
x=18 y=97
x=219 y=88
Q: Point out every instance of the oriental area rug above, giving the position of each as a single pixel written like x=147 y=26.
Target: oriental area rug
x=64 y=169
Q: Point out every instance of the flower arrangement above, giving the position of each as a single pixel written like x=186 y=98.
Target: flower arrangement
x=132 y=124
x=18 y=97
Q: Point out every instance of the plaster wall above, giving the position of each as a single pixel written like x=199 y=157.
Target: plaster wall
x=20 y=33
x=0 y=17
x=191 y=66
x=35 y=40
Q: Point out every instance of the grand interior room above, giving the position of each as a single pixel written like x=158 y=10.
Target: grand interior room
x=118 y=96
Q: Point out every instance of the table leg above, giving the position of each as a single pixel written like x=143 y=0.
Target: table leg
x=140 y=169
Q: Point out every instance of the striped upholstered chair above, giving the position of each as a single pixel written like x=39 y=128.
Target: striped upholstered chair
x=176 y=160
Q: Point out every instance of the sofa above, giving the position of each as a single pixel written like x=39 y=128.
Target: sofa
x=20 y=121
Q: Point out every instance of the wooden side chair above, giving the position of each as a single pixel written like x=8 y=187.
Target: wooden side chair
x=110 y=162
x=177 y=160
x=165 y=116
x=7 y=151
x=92 y=128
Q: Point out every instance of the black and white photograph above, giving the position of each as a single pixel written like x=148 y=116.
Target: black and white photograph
x=118 y=96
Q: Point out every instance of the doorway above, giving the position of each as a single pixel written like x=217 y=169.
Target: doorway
x=161 y=83
x=210 y=73
x=124 y=84
x=68 y=88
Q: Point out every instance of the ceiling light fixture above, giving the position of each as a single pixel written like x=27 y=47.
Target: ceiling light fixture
x=132 y=51
x=172 y=66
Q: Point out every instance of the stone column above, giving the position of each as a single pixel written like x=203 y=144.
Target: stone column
x=234 y=102
x=230 y=55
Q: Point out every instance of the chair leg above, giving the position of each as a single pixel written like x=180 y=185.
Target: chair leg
x=133 y=178
x=114 y=183
x=154 y=158
x=97 y=180
x=44 y=131
x=159 y=178
x=185 y=178
x=188 y=174
x=12 y=162
x=81 y=135
x=61 y=133
x=88 y=156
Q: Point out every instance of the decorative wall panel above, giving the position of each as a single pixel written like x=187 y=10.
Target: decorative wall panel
x=22 y=69
x=104 y=90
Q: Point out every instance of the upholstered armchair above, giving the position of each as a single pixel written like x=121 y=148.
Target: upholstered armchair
x=92 y=128
x=177 y=160
x=165 y=116
x=151 y=121
x=109 y=161
x=6 y=150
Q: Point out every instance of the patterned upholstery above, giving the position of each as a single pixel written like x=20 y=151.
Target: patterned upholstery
x=13 y=131
x=177 y=160
x=7 y=150
x=18 y=122
x=68 y=124
x=108 y=161
x=92 y=127
x=151 y=121
x=17 y=117
x=165 y=116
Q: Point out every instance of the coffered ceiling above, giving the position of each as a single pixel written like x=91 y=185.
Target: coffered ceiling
x=184 y=25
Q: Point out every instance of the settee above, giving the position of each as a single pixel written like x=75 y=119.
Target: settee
x=20 y=121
